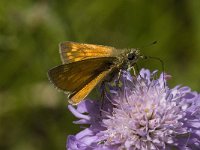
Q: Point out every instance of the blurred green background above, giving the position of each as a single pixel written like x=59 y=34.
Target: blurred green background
x=34 y=115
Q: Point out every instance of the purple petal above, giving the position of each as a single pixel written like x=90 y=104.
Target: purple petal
x=77 y=114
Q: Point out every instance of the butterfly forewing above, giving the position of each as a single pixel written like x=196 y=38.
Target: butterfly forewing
x=72 y=51
x=78 y=78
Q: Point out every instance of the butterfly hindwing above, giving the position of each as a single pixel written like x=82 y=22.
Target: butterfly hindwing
x=76 y=97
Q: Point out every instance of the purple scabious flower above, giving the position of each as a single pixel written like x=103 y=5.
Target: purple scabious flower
x=141 y=114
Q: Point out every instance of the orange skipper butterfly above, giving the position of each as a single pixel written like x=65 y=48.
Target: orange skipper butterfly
x=86 y=65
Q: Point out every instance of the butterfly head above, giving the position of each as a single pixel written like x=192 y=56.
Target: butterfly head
x=132 y=56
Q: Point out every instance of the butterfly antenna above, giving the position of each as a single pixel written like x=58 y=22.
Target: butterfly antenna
x=162 y=64
x=150 y=44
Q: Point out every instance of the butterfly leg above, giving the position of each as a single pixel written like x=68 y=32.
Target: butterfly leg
x=104 y=89
x=103 y=93
x=104 y=97
x=117 y=81
x=136 y=70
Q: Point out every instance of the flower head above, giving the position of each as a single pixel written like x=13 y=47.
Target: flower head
x=143 y=114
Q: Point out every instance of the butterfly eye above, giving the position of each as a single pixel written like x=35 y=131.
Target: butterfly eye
x=131 y=56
